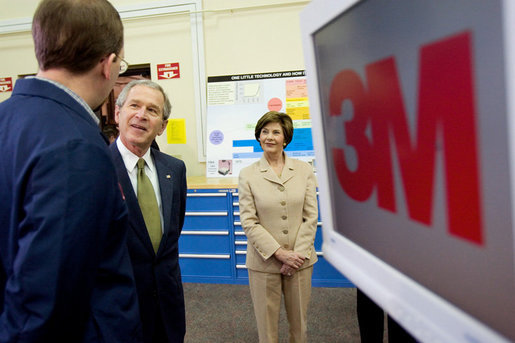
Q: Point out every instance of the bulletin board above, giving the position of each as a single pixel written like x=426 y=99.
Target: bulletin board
x=234 y=105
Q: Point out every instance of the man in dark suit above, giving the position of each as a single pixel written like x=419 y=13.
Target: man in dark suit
x=156 y=219
x=65 y=273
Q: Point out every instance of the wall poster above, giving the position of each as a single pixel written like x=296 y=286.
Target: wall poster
x=234 y=105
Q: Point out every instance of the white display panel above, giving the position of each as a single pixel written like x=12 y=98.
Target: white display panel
x=235 y=104
x=411 y=122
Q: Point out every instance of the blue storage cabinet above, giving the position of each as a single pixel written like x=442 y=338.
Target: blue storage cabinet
x=213 y=246
x=206 y=242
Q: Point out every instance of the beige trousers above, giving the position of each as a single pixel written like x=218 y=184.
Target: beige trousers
x=266 y=290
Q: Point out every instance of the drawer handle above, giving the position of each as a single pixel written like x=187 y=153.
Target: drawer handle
x=206 y=194
x=214 y=214
x=200 y=232
x=222 y=257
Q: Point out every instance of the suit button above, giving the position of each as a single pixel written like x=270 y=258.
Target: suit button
x=283 y=203
x=286 y=246
x=281 y=188
x=154 y=293
x=284 y=217
x=285 y=232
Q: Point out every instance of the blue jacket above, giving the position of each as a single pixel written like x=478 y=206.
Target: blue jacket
x=65 y=273
x=158 y=276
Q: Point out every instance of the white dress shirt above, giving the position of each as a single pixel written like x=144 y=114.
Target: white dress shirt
x=131 y=160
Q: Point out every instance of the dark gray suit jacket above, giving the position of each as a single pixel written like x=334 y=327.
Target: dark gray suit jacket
x=158 y=276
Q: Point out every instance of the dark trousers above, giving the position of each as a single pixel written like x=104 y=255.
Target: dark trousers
x=371 y=323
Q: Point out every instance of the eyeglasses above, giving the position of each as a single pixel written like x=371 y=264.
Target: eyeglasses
x=124 y=65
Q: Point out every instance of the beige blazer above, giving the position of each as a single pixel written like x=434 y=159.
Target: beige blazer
x=278 y=212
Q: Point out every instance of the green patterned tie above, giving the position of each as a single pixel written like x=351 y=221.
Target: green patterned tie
x=148 y=204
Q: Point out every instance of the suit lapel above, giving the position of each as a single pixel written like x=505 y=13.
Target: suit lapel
x=270 y=175
x=136 y=221
x=288 y=170
x=166 y=185
x=267 y=171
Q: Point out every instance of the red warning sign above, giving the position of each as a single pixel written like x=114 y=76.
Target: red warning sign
x=168 y=71
x=6 y=84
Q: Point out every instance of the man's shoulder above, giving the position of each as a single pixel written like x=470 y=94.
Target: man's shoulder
x=158 y=154
x=32 y=94
x=113 y=148
x=116 y=155
x=167 y=159
x=42 y=105
x=47 y=129
x=41 y=91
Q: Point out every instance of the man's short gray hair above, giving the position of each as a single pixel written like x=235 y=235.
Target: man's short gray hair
x=167 y=108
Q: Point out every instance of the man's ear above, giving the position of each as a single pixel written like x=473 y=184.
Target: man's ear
x=117 y=114
x=163 y=127
x=106 y=65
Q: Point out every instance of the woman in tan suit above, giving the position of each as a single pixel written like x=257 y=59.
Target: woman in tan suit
x=279 y=212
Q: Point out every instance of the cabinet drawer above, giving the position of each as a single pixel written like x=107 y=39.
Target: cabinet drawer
x=241 y=256
x=241 y=271
x=204 y=242
x=206 y=265
x=318 y=239
x=240 y=242
x=206 y=201
x=235 y=204
x=206 y=221
x=239 y=235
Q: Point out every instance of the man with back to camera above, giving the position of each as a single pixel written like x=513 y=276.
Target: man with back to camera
x=155 y=190
x=65 y=273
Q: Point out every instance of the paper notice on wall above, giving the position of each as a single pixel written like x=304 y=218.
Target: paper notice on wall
x=176 y=131
x=236 y=102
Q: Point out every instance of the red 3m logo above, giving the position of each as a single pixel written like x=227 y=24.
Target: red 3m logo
x=445 y=113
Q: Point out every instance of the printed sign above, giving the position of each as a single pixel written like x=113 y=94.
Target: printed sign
x=168 y=71
x=6 y=84
x=417 y=146
x=236 y=102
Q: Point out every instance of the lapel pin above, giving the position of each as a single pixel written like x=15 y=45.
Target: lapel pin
x=168 y=176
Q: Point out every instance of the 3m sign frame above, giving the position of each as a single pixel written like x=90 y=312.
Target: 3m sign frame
x=414 y=134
